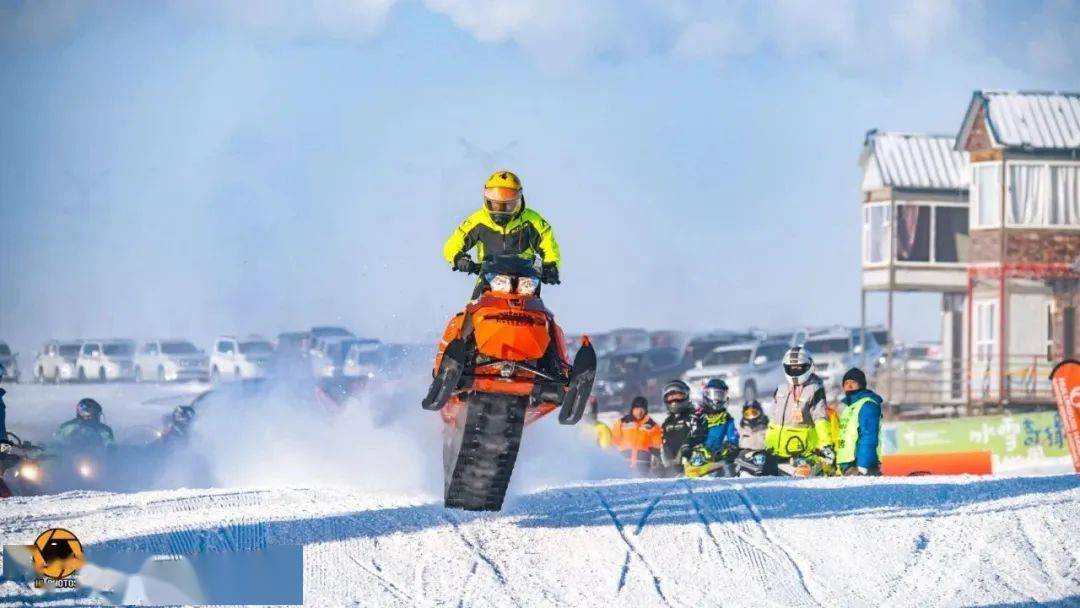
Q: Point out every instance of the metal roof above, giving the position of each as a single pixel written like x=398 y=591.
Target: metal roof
x=913 y=160
x=1029 y=120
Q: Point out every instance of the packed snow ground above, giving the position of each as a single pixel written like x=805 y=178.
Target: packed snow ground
x=835 y=542
x=360 y=492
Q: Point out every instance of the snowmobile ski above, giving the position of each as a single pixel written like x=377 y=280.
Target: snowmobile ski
x=446 y=381
x=582 y=374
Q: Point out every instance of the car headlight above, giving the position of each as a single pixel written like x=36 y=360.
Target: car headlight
x=526 y=286
x=500 y=283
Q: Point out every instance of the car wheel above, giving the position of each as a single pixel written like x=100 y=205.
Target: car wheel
x=40 y=375
x=138 y=374
x=236 y=373
x=160 y=374
x=101 y=375
x=82 y=375
x=750 y=391
x=215 y=375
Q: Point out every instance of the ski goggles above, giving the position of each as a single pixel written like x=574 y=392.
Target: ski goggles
x=502 y=200
x=675 y=397
x=751 y=413
x=796 y=370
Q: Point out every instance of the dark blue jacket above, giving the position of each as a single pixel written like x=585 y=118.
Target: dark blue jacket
x=714 y=430
x=869 y=428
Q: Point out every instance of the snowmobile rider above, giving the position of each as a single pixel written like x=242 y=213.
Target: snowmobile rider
x=178 y=426
x=859 y=452
x=596 y=430
x=638 y=437
x=675 y=430
x=503 y=226
x=713 y=427
x=799 y=425
x=85 y=430
x=752 y=426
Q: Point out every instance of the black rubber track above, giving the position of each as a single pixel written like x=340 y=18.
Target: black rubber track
x=480 y=451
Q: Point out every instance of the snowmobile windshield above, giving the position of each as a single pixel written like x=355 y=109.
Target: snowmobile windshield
x=118 y=349
x=178 y=348
x=256 y=348
x=511 y=266
x=828 y=346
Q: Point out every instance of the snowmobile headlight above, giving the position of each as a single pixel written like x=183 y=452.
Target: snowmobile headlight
x=526 y=286
x=29 y=471
x=697 y=459
x=85 y=470
x=500 y=283
x=758 y=459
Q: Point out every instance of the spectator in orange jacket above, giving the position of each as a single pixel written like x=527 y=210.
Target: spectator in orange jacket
x=638 y=436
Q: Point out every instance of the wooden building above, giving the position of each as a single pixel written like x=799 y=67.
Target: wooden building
x=915 y=239
x=1024 y=254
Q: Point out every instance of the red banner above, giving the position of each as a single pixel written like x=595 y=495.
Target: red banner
x=1066 y=381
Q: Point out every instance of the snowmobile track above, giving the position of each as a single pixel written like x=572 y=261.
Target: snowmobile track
x=633 y=548
x=482 y=453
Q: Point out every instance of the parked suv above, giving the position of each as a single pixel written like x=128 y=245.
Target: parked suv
x=10 y=361
x=235 y=358
x=105 y=360
x=700 y=346
x=56 y=361
x=328 y=355
x=838 y=349
x=365 y=360
x=169 y=361
x=622 y=376
x=750 y=369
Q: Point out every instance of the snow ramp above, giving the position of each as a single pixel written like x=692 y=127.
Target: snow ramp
x=831 y=542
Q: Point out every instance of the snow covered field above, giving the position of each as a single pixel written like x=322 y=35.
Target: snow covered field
x=838 y=542
x=375 y=538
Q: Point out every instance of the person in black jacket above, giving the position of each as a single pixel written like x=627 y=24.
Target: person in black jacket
x=3 y=410
x=676 y=427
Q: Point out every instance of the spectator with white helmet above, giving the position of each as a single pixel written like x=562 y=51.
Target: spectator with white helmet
x=799 y=424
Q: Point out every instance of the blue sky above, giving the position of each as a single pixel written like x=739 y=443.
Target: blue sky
x=189 y=168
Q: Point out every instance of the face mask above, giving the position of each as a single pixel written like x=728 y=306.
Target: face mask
x=850 y=393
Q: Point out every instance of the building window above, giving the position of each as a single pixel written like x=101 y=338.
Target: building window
x=986 y=195
x=1064 y=191
x=877 y=233
x=985 y=332
x=931 y=232
x=1027 y=195
x=913 y=233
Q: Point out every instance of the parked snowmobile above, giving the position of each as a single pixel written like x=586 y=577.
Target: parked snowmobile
x=494 y=373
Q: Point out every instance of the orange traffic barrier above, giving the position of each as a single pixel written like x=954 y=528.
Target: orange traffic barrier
x=952 y=463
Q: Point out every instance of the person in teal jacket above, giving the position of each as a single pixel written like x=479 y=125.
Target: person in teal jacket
x=85 y=430
x=859 y=451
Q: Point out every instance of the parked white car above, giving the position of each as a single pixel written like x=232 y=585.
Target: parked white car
x=10 y=363
x=751 y=370
x=170 y=361
x=235 y=358
x=365 y=360
x=105 y=360
x=837 y=350
x=56 y=361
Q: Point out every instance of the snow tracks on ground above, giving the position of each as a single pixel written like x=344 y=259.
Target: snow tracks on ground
x=840 y=542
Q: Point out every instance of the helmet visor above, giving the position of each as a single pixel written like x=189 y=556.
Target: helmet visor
x=716 y=395
x=794 y=371
x=502 y=205
x=751 y=413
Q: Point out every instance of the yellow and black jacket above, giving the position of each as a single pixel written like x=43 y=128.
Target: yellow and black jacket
x=526 y=235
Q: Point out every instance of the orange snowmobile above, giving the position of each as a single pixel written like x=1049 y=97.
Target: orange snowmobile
x=501 y=365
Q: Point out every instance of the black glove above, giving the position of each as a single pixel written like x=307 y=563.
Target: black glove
x=463 y=263
x=550 y=274
x=826 y=453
